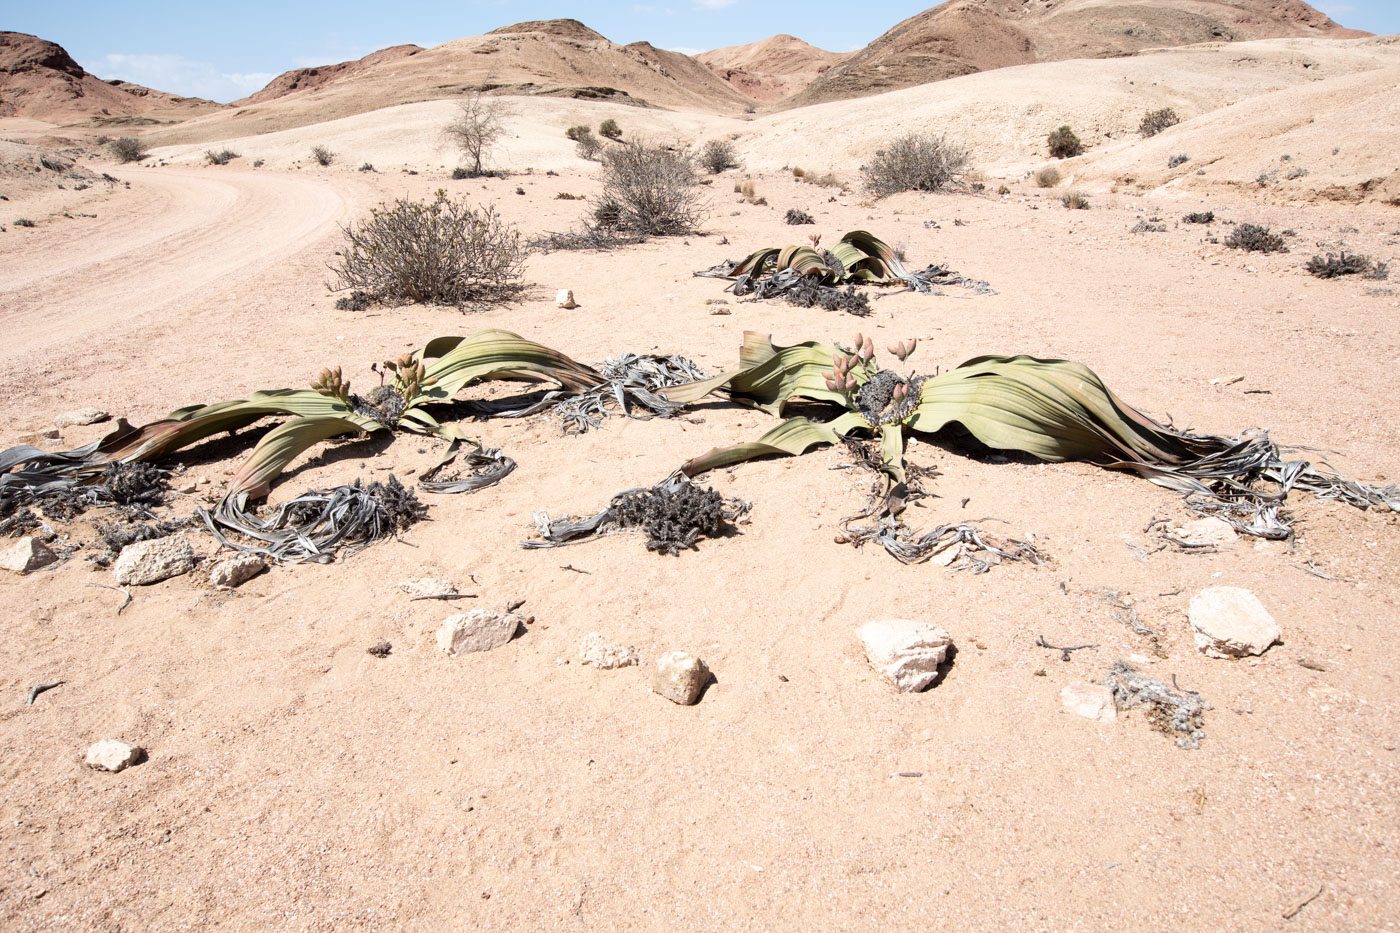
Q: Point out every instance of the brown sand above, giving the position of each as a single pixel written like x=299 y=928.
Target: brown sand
x=295 y=782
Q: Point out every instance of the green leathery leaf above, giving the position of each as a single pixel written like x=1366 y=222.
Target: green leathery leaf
x=794 y=436
x=453 y=363
x=279 y=447
x=892 y=450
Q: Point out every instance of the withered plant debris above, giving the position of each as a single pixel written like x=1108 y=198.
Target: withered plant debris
x=478 y=468
x=316 y=525
x=1176 y=714
x=116 y=535
x=674 y=514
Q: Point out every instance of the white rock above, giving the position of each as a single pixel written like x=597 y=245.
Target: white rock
x=680 y=677
x=1230 y=622
x=111 y=755
x=428 y=587
x=1209 y=530
x=907 y=653
x=565 y=299
x=80 y=416
x=26 y=555
x=605 y=656
x=1092 y=701
x=478 y=630
x=187 y=487
x=147 y=562
x=51 y=434
x=235 y=571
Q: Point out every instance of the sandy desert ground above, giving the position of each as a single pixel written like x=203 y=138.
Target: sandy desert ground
x=293 y=781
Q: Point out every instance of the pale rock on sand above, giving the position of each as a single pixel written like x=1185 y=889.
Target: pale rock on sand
x=147 y=562
x=1230 y=622
x=907 y=653
x=80 y=416
x=680 y=677
x=599 y=653
x=1209 y=530
x=111 y=755
x=429 y=588
x=478 y=630
x=235 y=571
x=26 y=555
x=1092 y=701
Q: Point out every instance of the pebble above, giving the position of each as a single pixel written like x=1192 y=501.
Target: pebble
x=599 y=653
x=111 y=755
x=80 y=416
x=1209 y=530
x=478 y=630
x=51 y=434
x=1230 y=622
x=428 y=587
x=680 y=677
x=1092 y=701
x=235 y=571
x=26 y=555
x=907 y=653
x=147 y=562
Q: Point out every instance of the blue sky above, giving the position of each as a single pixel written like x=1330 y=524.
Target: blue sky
x=228 y=50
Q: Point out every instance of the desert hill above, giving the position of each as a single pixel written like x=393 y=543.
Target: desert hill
x=556 y=58
x=770 y=69
x=41 y=81
x=966 y=36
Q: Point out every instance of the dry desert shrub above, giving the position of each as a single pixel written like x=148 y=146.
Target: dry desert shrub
x=650 y=190
x=1179 y=159
x=220 y=157
x=1047 y=177
x=1199 y=217
x=1154 y=121
x=610 y=129
x=128 y=149
x=718 y=155
x=321 y=155
x=1064 y=144
x=915 y=162
x=585 y=142
x=1332 y=267
x=440 y=251
x=1255 y=239
x=797 y=217
x=1075 y=201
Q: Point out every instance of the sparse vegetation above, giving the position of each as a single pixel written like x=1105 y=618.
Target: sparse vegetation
x=221 y=157
x=796 y=217
x=915 y=162
x=1148 y=225
x=1200 y=217
x=588 y=145
x=128 y=149
x=440 y=251
x=1332 y=267
x=1255 y=239
x=1179 y=159
x=1075 y=201
x=321 y=155
x=1003 y=190
x=478 y=125
x=367 y=167
x=718 y=155
x=259 y=163
x=355 y=301
x=1064 y=144
x=1047 y=177
x=650 y=189
x=24 y=222
x=609 y=128
x=1154 y=121
x=460 y=173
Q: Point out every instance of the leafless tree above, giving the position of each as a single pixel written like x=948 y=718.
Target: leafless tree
x=479 y=123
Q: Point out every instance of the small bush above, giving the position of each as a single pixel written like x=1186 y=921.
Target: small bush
x=1047 y=177
x=355 y=301
x=321 y=155
x=574 y=132
x=460 y=173
x=1148 y=226
x=367 y=167
x=128 y=149
x=440 y=251
x=1176 y=160
x=258 y=163
x=24 y=222
x=825 y=180
x=1154 y=121
x=1064 y=144
x=222 y=157
x=1296 y=173
x=1255 y=239
x=1003 y=190
x=916 y=162
x=1075 y=201
x=650 y=190
x=718 y=155
x=566 y=196
x=796 y=217
x=1202 y=217
x=519 y=190
x=1333 y=267
x=610 y=129
x=587 y=145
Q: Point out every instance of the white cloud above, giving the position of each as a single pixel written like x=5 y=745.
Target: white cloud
x=714 y=4
x=685 y=50
x=176 y=74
